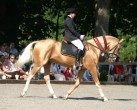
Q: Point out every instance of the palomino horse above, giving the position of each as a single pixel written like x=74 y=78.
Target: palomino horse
x=44 y=52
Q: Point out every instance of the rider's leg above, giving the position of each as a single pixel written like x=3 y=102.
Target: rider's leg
x=80 y=47
x=78 y=58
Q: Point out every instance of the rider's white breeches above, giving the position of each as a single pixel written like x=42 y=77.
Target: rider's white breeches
x=78 y=44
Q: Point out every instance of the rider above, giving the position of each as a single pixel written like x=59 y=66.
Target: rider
x=71 y=35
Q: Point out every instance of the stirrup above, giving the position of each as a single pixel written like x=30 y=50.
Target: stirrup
x=78 y=65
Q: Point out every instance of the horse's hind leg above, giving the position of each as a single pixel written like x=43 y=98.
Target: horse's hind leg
x=93 y=72
x=47 y=79
x=31 y=74
x=80 y=74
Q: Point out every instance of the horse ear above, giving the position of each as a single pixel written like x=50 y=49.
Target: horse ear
x=121 y=41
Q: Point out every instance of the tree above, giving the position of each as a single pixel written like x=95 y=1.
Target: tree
x=102 y=20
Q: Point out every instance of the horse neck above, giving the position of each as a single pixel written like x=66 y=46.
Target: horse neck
x=92 y=42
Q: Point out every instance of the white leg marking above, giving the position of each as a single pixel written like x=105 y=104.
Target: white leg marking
x=101 y=92
x=50 y=89
x=26 y=86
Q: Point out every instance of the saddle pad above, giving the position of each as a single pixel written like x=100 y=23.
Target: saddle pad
x=68 y=49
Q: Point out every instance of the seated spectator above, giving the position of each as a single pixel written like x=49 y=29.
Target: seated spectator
x=3 y=51
x=13 y=50
x=60 y=68
x=3 y=75
x=127 y=69
x=10 y=69
x=67 y=73
x=87 y=76
x=119 y=72
x=60 y=76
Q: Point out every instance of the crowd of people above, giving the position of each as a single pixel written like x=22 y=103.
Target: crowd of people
x=9 y=55
x=121 y=72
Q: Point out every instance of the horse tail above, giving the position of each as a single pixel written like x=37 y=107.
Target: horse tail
x=27 y=55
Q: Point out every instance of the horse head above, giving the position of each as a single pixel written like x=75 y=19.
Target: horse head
x=113 y=49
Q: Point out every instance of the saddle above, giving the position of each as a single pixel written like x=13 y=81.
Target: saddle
x=68 y=49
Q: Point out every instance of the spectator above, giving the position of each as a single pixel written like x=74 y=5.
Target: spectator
x=127 y=69
x=10 y=69
x=60 y=68
x=119 y=73
x=60 y=76
x=87 y=76
x=67 y=74
x=3 y=51
x=13 y=50
x=3 y=75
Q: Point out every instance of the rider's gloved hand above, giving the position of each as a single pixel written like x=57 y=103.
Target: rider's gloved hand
x=82 y=37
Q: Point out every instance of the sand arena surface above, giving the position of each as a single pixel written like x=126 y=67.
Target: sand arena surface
x=86 y=97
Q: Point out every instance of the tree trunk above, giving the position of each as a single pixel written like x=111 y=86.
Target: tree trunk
x=57 y=25
x=102 y=18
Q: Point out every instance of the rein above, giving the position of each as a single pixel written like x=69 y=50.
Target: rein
x=99 y=46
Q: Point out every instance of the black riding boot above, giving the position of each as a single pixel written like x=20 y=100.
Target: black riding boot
x=78 y=58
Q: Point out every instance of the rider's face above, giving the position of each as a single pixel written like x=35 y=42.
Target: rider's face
x=73 y=15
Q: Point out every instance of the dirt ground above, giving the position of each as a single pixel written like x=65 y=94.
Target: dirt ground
x=86 y=97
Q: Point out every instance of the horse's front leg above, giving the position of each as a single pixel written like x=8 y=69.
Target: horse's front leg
x=47 y=79
x=31 y=74
x=93 y=72
x=80 y=74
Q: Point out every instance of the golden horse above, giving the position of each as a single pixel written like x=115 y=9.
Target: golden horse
x=44 y=52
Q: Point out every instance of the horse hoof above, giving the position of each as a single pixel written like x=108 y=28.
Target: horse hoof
x=105 y=99
x=66 y=97
x=55 y=97
x=22 y=94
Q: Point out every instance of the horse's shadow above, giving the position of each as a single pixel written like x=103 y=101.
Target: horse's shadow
x=94 y=98
x=34 y=97
x=124 y=99
x=82 y=98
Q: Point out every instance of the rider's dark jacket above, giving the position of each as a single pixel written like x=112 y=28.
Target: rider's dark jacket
x=70 y=33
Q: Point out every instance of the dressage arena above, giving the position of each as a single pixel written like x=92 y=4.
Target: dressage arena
x=86 y=97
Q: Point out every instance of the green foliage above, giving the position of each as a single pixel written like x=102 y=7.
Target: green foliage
x=123 y=16
x=129 y=46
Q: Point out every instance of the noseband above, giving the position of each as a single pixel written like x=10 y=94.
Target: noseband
x=105 y=50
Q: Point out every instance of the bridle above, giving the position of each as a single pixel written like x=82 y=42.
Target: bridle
x=105 y=50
